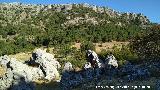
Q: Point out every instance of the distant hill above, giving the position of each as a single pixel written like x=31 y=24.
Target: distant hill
x=26 y=26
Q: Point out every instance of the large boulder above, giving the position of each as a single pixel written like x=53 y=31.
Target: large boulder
x=68 y=67
x=39 y=56
x=47 y=63
x=4 y=60
x=20 y=76
x=29 y=73
x=6 y=80
x=87 y=65
x=49 y=70
x=15 y=71
x=111 y=61
x=94 y=60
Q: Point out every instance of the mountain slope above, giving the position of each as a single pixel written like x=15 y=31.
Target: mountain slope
x=26 y=26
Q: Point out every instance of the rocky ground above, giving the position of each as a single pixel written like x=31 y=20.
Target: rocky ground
x=41 y=72
x=21 y=76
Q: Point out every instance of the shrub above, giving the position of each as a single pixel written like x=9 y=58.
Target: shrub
x=148 y=45
x=122 y=54
x=87 y=45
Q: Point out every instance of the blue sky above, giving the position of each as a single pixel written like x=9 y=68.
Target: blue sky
x=150 y=8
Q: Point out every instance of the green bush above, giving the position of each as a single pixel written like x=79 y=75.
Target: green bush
x=148 y=45
x=47 y=30
x=87 y=45
x=121 y=54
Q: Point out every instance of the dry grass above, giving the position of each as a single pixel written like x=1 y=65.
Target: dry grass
x=104 y=46
x=21 y=56
x=26 y=56
x=98 y=46
x=2 y=71
x=109 y=45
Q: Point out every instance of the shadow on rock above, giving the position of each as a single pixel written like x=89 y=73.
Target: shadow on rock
x=71 y=79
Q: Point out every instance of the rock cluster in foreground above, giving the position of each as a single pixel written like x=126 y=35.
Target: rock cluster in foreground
x=19 y=76
x=43 y=66
x=96 y=69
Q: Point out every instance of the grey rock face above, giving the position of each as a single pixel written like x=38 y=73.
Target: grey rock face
x=94 y=60
x=87 y=65
x=19 y=76
x=111 y=61
x=16 y=70
x=40 y=56
x=68 y=67
x=68 y=6
x=6 y=80
x=24 y=70
x=47 y=63
x=4 y=60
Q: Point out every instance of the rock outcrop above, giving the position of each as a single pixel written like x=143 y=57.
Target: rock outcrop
x=47 y=63
x=20 y=76
x=92 y=69
x=111 y=61
x=68 y=67
x=87 y=65
x=6 y=80
x=94 y=60
x=17 y=75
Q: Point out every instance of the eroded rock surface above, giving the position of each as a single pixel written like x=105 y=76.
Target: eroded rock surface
x=94 y=60
x=20 y=76
x=47 y=63
x=68 y=67
x=111 y=61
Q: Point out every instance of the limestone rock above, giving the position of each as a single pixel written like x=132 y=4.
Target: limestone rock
x=29 y=73
x=111 y=61
x=94 y=60
x=41 y=57
x=20 y=76
x=87 y=65
x=6 y=80
x=68 y=67
x=47 y=63
x=4 y=60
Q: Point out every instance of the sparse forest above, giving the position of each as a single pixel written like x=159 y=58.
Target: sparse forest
x=27 y=29
x=128 y=44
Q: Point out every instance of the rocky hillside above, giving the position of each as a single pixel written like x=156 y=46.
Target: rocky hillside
x=71 y=32
x=26 y=26
x=43 y=72
x=16 y=13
